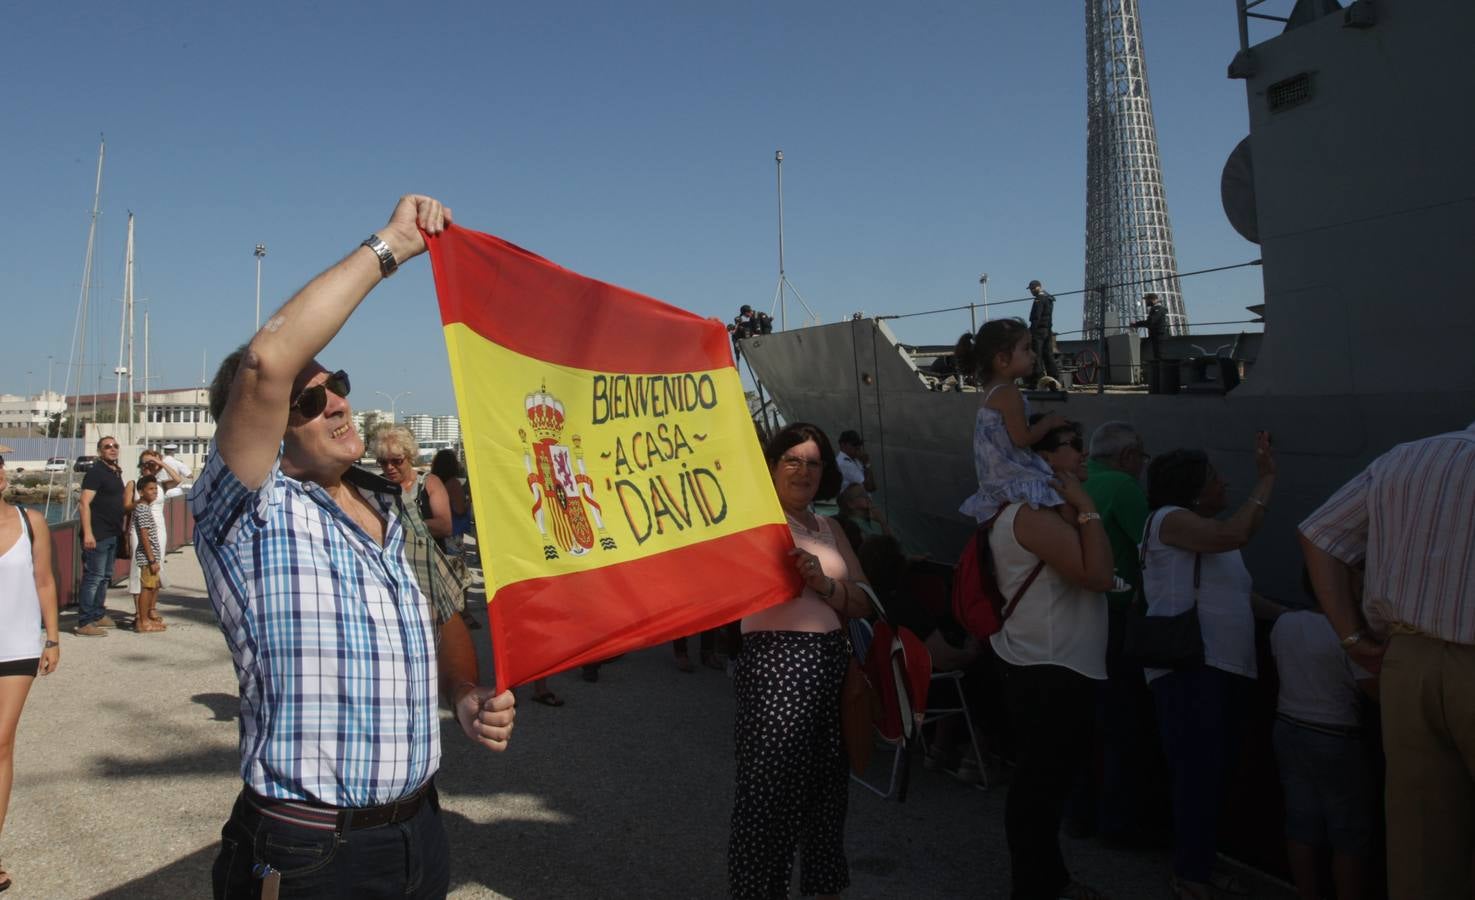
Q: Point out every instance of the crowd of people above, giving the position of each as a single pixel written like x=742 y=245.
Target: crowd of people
x=1130 y=629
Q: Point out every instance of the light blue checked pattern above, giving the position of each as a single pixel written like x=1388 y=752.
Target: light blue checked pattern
x=332 y=640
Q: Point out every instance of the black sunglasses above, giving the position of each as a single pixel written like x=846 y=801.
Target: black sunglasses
x=313 y=400
x=1076 y=443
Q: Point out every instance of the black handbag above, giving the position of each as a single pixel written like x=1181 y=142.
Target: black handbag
x=1163 y=642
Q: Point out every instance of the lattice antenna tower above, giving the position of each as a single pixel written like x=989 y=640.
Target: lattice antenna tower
x=1129 y=240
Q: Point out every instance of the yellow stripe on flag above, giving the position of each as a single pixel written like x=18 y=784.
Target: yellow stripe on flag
x=574 y=470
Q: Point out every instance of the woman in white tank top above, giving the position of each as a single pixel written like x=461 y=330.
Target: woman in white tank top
x=27 y=602
x=1052 y=651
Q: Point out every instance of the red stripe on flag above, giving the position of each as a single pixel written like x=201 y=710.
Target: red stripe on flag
x=636 y=604
x=537 y=308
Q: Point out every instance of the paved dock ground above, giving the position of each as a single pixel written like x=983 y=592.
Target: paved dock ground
x=126 y=767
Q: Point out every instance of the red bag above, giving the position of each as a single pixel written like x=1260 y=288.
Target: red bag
x=978 y=603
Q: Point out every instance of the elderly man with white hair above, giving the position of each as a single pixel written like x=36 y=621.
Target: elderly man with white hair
x=1115 y=469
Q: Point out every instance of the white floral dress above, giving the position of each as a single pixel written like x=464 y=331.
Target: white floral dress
x=1006 y=473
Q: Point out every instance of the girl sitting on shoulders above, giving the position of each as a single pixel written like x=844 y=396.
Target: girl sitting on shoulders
x=1008 y=471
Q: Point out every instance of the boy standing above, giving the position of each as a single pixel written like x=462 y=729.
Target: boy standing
x=146 y=555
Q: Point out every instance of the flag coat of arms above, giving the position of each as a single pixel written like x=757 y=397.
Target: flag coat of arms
x=620 y=492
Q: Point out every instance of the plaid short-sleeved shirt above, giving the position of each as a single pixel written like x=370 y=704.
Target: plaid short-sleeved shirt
x=333 y=641
x=1408 y=518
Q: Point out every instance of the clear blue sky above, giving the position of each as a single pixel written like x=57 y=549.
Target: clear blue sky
x=633 y=142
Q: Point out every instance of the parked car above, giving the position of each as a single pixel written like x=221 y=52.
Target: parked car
x=83 y=463
x=56 y=464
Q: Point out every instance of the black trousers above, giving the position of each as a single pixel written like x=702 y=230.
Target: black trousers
x=793 y=783
x=1051 y=709
x=1044 y=358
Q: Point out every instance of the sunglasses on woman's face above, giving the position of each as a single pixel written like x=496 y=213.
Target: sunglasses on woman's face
x=387 y=461
x=1075 y=443
x=313 y=400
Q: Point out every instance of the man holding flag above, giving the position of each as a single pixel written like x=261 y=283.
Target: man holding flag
x=316 y=570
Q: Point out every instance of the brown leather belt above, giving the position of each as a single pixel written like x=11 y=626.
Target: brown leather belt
x=338 y=818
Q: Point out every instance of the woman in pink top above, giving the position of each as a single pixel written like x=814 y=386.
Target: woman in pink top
x=792 y=777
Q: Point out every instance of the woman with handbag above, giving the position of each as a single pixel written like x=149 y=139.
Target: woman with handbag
x=792 y=778
x=1192 y=569
x=1054 y=564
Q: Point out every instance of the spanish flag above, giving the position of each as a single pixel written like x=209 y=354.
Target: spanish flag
x=620 y=491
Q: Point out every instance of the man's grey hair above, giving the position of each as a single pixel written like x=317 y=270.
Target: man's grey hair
x=1111 y=438
x=397 y=439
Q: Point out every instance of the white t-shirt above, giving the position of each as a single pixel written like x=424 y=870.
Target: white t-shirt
x=851 y=471
x=1318 y=680
x=1225 y=585
x=1055 y=622
x=184 y=475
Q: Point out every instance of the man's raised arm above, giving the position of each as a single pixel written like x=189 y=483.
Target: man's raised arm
x=255 y=415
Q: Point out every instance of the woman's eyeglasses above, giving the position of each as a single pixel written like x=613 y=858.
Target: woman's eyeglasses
x=1075 y=443
x=385 y=461
x=794 y=463
x=313 y=400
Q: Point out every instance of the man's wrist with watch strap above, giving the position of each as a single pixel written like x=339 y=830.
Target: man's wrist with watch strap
x=51 y=643
x=387 y=263
x=1353 y=639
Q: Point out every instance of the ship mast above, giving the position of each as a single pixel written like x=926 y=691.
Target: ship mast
x=780 y=300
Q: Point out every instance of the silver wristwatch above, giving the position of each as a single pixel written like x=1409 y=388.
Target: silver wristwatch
x=387 y=263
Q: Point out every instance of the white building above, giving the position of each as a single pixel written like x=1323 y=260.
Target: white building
x=446 y=428
x=17 y=412
x=378 y=415
x=180 y=417
x=422 y=425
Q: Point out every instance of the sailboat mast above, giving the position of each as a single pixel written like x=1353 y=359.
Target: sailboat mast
x=145 y=441
x=79 y=330
x=123 y=329
x=128 y=302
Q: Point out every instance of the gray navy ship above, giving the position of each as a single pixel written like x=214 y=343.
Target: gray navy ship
x=1357 y=180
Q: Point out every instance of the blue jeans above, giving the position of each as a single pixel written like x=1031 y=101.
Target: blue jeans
x=404 y=859
x=1200 y=714
x=97 y=571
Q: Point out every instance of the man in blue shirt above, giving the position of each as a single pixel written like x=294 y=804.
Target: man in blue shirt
x=319 y=574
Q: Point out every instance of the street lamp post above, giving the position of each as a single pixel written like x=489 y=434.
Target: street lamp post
x=983 y=283
x=260 y=254
x=393 y=403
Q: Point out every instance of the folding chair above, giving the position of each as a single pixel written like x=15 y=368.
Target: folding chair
x=899 y=725
x=937 y=713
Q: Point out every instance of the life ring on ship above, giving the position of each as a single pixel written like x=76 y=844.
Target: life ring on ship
x=1088 y=366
